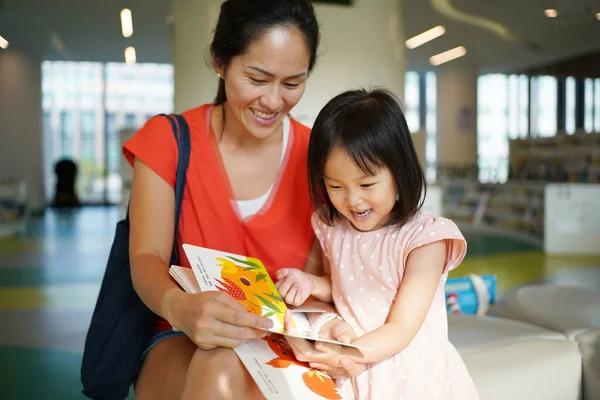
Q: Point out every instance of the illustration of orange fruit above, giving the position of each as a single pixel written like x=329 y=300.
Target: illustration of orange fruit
x=321 y=384
x=316 y=381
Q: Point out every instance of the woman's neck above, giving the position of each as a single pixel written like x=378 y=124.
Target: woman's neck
x=229 y=131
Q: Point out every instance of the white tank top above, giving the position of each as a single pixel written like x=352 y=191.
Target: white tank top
x=250 y=207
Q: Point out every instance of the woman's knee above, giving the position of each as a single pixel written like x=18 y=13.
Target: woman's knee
x=218 y=374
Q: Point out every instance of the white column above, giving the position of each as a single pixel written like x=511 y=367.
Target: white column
x=191 y=35
x=361 y=46
x=457 y=114
x=21 y=137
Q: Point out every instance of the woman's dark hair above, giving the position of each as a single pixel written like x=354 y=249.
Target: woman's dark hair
x=370 y=126
x=241 y=22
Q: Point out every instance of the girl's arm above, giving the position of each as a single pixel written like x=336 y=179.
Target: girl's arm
x=317 y=269
x=322 y=289
x=424 y=267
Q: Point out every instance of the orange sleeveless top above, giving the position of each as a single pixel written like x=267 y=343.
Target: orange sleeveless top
x=279 y=234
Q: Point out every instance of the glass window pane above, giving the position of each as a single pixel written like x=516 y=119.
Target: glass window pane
x=431 y=126
x=544 y=93
x=492 y=127
x=589 y=106
x=597 y=106
x=570 y=106
x=411 y=100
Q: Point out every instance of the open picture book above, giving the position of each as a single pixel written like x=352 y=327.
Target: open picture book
x=270 y=361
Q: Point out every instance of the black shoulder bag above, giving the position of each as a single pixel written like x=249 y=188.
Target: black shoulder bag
x=121 y=325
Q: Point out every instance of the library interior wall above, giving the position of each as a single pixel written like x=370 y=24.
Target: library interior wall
x=348 y=57
x=21 y=139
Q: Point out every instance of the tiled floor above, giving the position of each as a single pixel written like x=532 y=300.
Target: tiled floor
x=50 y=278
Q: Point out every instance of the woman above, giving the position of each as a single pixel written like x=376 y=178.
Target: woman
x=246 y=193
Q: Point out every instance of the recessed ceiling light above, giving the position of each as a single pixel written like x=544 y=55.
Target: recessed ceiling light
x=126 y=22
x=551 y=13
x=3 y=43
x=130 y=55
x=449 y=55
x=425 y=37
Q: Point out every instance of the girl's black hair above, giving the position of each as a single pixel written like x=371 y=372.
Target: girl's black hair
x=241 y=22
x=370 y=126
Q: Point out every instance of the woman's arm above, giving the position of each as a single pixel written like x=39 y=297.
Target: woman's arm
x=210 y=319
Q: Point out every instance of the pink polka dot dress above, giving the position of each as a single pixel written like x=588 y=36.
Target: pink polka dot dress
x=366 y=273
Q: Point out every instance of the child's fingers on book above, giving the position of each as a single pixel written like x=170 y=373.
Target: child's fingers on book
x=285 y=286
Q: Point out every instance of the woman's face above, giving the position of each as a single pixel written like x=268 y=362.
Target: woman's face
x=266 y=82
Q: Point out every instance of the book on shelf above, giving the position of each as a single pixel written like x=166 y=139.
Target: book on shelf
x=270 y=361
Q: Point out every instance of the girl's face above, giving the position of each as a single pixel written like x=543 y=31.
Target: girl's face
x=365 y=200
x=266 y=82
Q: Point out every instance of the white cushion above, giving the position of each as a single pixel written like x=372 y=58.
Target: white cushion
x=517 y=361
x=570 y=310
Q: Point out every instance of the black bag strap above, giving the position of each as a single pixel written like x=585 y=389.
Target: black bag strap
x=182 y=135
x=181 y=131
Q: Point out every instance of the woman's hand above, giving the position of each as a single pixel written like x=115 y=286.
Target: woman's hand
x=324 y=356
x=213 y=319
x=294 y=286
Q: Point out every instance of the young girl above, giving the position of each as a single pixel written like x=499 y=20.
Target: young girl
x=385 y=259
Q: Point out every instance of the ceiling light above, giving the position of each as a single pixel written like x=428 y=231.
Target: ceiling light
x=130 y=55
x=126 y=22
x=3 y=43
x=425 y=37
x=551 y=13
x=448 y=55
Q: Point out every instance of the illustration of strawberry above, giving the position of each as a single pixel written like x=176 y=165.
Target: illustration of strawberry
x=231 y=289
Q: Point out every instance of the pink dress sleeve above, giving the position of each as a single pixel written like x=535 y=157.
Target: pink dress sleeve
x=430 y=229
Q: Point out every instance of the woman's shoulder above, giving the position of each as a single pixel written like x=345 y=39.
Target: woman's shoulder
x=300 y=129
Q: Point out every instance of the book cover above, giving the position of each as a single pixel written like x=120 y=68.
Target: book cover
x=270 y=361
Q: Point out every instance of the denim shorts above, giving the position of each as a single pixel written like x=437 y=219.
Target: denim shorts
x=159 y=337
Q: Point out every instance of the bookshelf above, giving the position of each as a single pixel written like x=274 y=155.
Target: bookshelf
x=515 y=208
x=561 y=158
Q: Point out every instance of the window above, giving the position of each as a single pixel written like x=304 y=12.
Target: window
x=431 y=127
x=589 y=106
x=112 y=143
x=67 y=133
x=570 y=106
x=543 y=106
x=88 y=136
x=597 y=105
x=86 y=128
x=493 y=94
x=411 y=100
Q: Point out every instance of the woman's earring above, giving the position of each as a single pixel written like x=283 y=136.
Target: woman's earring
x=397 y=197
x=219 y=75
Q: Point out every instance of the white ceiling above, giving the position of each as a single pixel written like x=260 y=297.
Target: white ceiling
x=90 y=30
x=538 y=39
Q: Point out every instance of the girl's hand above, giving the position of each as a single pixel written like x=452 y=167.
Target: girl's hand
x=325 y=356
x=213 y=319
x=294 y=286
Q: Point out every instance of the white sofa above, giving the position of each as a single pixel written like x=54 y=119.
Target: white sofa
x=518 y=361
x=571 y=311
